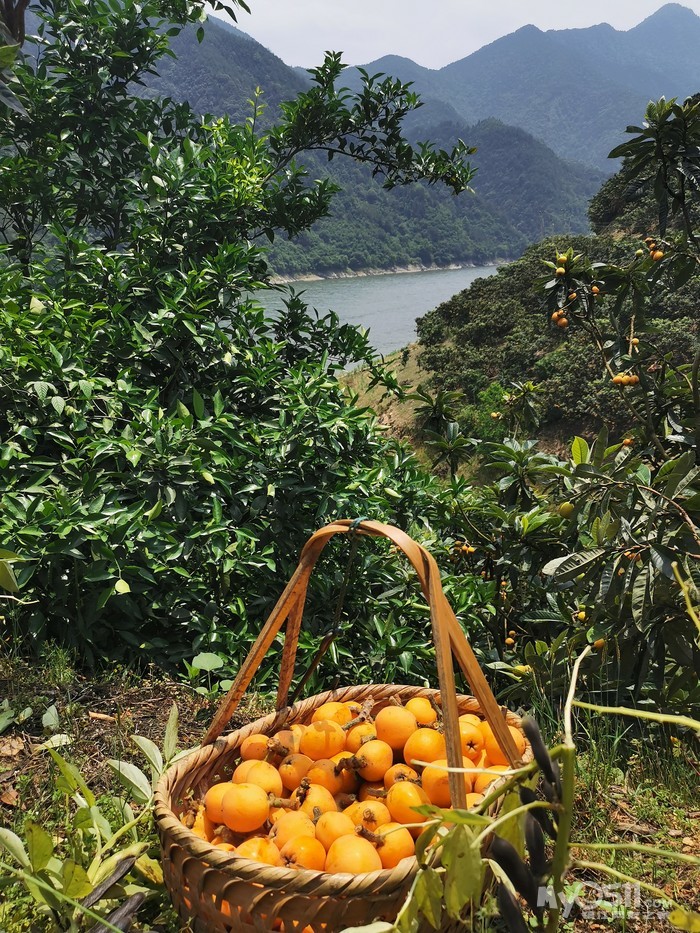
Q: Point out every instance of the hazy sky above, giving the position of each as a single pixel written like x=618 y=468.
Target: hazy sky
x=431 y=32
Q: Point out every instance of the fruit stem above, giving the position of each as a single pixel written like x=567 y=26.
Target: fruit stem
x=351 y=763
x=438 y=709
x=365 y=715
x=345 y=800
x=374 y=838
x=275 y=747
x=287 y=803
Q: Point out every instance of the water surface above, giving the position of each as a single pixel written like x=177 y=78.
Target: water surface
x=387 y=305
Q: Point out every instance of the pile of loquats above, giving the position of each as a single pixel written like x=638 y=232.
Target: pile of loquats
x=339 y=794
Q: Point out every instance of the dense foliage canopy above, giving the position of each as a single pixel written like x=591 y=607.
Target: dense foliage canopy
x=166 y=447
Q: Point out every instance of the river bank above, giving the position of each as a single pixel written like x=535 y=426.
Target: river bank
x=394 y=270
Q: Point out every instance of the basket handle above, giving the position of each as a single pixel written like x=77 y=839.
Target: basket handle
x=448 y=638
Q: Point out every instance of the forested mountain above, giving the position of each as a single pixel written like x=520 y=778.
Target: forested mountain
x=572 y=88
x=522 y=189
x=219 y=75
x=523 y=192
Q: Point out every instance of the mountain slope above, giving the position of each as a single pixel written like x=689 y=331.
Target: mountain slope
x=523 y=190
x=576 y=89
x=219 y=75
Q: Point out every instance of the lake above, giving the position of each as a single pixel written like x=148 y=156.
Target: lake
x=388 y=304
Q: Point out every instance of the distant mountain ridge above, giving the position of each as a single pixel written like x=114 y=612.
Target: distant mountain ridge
x=575 y=89
x=523 y=190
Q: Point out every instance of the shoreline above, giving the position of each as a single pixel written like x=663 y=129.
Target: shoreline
x=394 y=270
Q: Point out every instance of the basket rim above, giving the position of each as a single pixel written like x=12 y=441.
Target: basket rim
x=168 y=824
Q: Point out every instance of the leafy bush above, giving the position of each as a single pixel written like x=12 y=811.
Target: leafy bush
x=167 y=448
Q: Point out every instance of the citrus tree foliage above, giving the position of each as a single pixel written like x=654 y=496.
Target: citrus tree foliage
x=166 y=448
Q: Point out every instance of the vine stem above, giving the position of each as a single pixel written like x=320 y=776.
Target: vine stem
x=645 y=850
x=562 y=855
x=614 y=873
x=669 y=718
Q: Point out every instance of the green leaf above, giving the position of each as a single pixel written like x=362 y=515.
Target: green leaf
x=151 y=751
x=74 y=880
x=424 y=840
x=512 y=830
x=8 y=53
x=42 y=389
x=71 y=780
x=662 y=558
x=197 y=404
x=8 y=581
x=428 y=895
x=599 y=447
x=570 y=566
x=461 y=857
x=39 y=844
x=14 y=846
x=379 y=926
x=155 y=510
x=58 y=404
x=133 y=779
x=87 y=818
x=50 y=720
x=207 y=662
x=55 y=741
x=580 y=452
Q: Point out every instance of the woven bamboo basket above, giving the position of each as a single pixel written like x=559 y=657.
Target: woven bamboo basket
x=217 y=892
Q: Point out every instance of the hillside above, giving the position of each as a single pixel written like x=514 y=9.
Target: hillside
x=522 y=190
x=219 y=75
x=572 y=88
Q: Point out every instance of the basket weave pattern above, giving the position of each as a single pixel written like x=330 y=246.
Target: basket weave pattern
x=200 y=877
